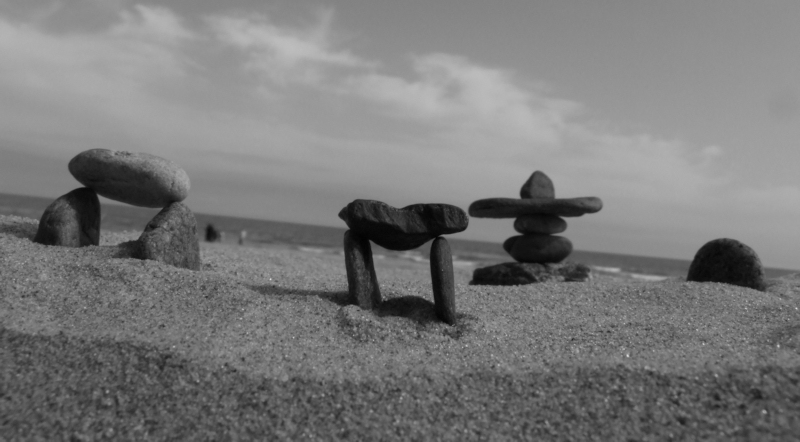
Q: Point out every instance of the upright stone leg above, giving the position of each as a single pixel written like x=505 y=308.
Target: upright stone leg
x=362 y=283
x=444 y=291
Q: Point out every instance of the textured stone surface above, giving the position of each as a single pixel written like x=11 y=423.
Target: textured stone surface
x=538 y=185
x=545 y=224
x=72 y=220
x=171 y=237
x=362 y=283
x=138 y=179
x=442 y=280
x=402 y=229
x=729 y=261
x=519 y=273
x=538 y=248
x=512 y=207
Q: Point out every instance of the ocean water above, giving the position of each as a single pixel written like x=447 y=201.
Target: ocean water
x=322 y=239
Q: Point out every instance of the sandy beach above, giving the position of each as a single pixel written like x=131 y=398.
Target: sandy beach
x=261 y=344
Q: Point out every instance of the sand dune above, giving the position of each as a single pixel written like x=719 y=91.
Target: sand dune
x=261 y=344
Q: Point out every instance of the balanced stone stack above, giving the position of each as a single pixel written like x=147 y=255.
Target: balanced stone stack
x=400 y=229
x=538 y=251
x=139 y=179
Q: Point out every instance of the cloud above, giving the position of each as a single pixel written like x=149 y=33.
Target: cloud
x=285 y=54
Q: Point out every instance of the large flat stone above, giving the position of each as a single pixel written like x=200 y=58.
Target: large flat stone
x=512 y=207
x=520 y=273
x=72 y=220
x=139 y=179
x=402 y=229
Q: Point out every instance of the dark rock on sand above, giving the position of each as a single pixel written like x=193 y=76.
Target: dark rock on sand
x=72 y=220
x=538 y=248
x=139 y=179
x=538 y=185
x=544 y=224
x=729 y=261
x=519 y=273
x=171 y=237
x=362 y=283
x=512 y=207
x=444 y=291
x=402 y=229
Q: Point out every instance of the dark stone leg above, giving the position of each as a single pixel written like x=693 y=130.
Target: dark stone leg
x=362 y=283
x=444 y=291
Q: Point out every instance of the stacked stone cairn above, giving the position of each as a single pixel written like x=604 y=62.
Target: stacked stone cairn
x=538 y=216
x=138 y=179
x=400 y=229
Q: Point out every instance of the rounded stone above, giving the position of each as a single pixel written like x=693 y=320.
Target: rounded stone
x=545 y=224
x=538 y=185
x=520 y=273
x=538 y=248
x=171 y=237
x=72 y=220
x=139 y=179
x=728 y=261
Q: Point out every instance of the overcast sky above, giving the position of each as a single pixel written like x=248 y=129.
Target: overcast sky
x=682 y=116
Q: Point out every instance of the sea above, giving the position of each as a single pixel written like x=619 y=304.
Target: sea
x=324 y=239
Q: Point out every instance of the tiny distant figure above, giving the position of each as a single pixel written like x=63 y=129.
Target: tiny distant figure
x=212 y=234
x=242 y=236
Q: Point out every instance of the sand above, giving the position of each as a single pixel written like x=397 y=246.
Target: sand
x=261 y=344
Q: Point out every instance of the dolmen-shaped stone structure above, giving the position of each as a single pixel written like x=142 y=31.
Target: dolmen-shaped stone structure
x=400 y=229
x=138 y=179
x=538 y=251
x=728 y=261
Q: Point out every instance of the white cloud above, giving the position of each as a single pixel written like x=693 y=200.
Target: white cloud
x=285 y=54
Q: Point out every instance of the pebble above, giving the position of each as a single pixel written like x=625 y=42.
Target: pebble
x=362 y=283
x=171 y=237
x=545 y=224
x=513 y=207
x=139 y=179
x=72 y=220
x=728 y=261
x=538 y=185
x=538 y=248
x=402 y=229
x=442 y=279
x=519 y=273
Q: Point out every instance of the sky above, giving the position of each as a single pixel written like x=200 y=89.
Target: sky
x=682 y=116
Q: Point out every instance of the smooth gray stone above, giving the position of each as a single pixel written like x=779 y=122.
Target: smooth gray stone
x=72 y=220
x=444 y=291
x=512 y=207
x=538 y=248
x=139 y=179
x=520 y=273
x=544 y=224
x=538 y=185
x=728 y=261
x=362 y=283
x=171 y=237
x=402 y=229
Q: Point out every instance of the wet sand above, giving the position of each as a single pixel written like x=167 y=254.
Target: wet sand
x=261 y=344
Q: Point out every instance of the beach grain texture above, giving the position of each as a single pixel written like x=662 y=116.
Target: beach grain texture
x=260 y=344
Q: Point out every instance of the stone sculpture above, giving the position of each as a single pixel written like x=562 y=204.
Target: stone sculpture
x=138 y=179
x=400 y=229
x=537 y=217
